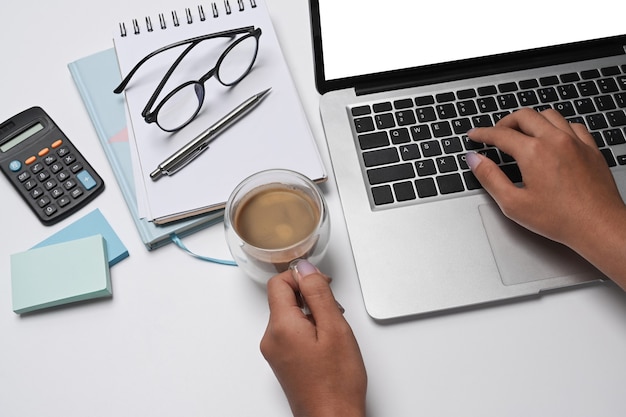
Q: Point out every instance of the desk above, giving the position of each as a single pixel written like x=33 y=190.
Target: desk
x=180 y=336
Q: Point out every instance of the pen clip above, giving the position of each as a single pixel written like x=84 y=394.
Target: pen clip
x=203 y=147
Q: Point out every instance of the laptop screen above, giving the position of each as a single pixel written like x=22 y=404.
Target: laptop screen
x=366 y=37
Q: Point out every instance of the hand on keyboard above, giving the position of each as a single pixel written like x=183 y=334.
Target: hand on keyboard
x=568 y=193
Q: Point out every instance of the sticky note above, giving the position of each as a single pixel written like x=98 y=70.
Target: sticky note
x=92 y=224
x=59 y=274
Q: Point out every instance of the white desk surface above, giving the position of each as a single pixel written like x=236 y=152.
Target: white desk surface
x=180 y=336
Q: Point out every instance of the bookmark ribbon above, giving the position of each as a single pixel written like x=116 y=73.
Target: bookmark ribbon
x=181 y=245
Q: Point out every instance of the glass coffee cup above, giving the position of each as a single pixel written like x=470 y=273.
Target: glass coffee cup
x=272 y=218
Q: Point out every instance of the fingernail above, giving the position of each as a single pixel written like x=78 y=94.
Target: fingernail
x=473 y=160
x=300 y=268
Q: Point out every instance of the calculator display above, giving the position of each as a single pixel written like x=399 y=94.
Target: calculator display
x=45 y=168
x=17 y=139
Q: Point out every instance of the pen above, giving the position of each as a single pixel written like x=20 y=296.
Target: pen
x=195 y=147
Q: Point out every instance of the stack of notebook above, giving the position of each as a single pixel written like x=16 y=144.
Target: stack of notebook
x=275 y=135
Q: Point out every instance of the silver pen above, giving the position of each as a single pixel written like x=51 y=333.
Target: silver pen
x=195 y=147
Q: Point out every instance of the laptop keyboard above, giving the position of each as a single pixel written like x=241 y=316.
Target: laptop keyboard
x=413 y=148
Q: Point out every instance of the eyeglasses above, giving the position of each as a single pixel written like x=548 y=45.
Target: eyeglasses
x=178 y=108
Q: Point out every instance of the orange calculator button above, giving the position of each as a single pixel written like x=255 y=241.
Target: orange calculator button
x=56 y=143
x=30 y=160
x=44 y=151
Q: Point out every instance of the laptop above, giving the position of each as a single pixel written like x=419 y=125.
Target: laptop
x=401 y=84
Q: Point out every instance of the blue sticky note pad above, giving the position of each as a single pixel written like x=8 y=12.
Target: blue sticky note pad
x=59 y=274
x=93 y=223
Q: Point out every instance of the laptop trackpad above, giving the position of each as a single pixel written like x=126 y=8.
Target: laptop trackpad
x=524 y=256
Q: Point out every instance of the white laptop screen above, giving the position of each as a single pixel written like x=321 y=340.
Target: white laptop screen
x=371 y=36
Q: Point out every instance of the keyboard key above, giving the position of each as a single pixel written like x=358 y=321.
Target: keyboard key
x=616 y=118
x=507 y=87
x=604 y=103
x=384 y=121
x=391 y=173
x=425 y=167
x=527 y=98
x=404 y=191
x=382 y=195
x=584 y=106
x=470 y=145
x=464 y=94
x=382 y=107
x=446 y=111
x=488 y=90
x=441 y=129
x=461 y=126
x=360 y=111
x=487 y=104
x=614 y=137
x=450 y=183
x=444 y=97
x=405 y=117
x=512 y=172
x=607 y=85
x=547 y=95
x=491 y=153
x=380 y=157
x=482 y=121
x=608 y=156
x=466 y=108
x=547 y=81
x=570 y=77
x=528 y=84
x=507 y=101
x=609 y=71
x=409 y=152
x=596 y=121
x=420 y=132
x=451 y=145
x=446 y=164
x=373 y=140
x=400 y=135
x=567 y=92
x=430 y=148
x=589 y=74
x=587 y=88
x=406 y=103
x=426 y=114
x=471 y=182
x=424 y=100
x=364 y=124
x=425 y=187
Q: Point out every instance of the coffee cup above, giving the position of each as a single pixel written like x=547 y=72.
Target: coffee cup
x=272 y=218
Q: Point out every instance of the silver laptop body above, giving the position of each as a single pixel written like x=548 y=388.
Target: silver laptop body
x=454 y=250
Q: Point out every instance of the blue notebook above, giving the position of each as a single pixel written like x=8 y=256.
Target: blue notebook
x=95 y=77
x=91 y=224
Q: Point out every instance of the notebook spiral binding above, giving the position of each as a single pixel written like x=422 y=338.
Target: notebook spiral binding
x=189 y=17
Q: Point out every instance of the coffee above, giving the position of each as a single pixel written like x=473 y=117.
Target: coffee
x=276 y=217
x=273 y=217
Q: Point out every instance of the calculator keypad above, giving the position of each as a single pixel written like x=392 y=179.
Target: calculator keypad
x=55 y=179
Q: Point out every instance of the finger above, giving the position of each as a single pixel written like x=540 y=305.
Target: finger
x=495 y=182
x=281 y=295
x=527 y=121
x=504 y=138
x=581 y=132
x=315 y=288
x=558 y=120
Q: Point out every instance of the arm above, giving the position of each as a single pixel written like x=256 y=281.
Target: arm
x=568 y=192
x=315 y=358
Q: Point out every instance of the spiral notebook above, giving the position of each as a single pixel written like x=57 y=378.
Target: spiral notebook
x=276 y=134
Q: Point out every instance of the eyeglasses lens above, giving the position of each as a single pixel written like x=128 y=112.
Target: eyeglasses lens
x=181 y=107
x=236 y=63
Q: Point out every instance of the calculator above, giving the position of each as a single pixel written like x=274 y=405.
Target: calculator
x=45 y=167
